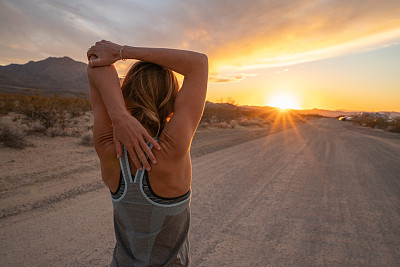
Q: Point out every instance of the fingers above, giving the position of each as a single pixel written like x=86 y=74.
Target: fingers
x=138 y=156
x=151 y=140
x=147 y=150
x=118 y=147
x=91 y=56
x=135 y=159
x=94 y=62
x=140 y=151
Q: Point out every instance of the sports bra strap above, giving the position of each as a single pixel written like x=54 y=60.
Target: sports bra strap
x=124 y=162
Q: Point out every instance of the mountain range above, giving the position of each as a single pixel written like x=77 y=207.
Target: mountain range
x=63 y=76
x=66 y=77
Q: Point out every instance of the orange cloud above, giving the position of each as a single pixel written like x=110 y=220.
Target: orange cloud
x=214 y=78
x=306 y=31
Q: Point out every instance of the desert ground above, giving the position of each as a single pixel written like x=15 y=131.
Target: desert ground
x=323 y=193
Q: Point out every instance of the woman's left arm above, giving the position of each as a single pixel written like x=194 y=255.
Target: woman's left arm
x=102 y=127
x=104 y=85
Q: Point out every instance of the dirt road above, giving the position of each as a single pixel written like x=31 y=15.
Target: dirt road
x=325 y=193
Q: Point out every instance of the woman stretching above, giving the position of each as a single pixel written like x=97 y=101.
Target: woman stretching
x=150 y=195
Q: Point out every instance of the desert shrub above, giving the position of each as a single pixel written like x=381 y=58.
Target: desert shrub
x=56 y=132
x=252 y=122
x=378 y=122
x=87 y=140
x=369 y=122
x=48 y=111
x=381 y=123
x=314 y=116
x=8 y=103
x=228 y=112
x=223 y=113
x=395 y=125
x=357 y=120
x=12 y=137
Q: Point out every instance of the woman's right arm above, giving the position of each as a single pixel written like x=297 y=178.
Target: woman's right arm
x=189 y=103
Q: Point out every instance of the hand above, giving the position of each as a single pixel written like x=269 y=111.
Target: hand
x=105 y=51
x=132 y=134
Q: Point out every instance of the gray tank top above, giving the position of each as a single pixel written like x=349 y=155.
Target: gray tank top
x=150 y=230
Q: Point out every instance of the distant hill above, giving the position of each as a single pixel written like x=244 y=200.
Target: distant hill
x=63 y=76
x=336 y=113
x=67 y=77
x=328 y=113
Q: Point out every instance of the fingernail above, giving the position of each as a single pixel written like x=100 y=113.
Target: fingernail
x=159 y=148
x=148 y=169
x=140 y=169
x=154 y=162
x=118 y=156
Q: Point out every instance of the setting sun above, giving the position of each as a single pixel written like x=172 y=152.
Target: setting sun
x=283 y=101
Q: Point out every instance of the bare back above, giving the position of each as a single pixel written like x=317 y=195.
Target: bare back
x=171 y=176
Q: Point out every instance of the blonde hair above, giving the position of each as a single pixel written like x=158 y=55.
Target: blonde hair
x=149 y=91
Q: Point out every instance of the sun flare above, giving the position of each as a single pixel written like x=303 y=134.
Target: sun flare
x=283 y=101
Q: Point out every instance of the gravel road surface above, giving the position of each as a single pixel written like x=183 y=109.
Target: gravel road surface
x=324 y=193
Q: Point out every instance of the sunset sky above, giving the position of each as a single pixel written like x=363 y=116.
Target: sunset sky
x=309 y=54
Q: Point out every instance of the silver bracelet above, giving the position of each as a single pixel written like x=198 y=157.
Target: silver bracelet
x=120 y=53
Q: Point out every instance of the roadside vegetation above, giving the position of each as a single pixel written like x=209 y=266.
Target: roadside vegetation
x=22 y=115
x=391 y=125
x=12 y=137
x=37 y=114
x=379 y=121
x=227 y=114
x=48 y=111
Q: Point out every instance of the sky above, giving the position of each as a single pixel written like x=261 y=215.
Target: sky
x=298 y=54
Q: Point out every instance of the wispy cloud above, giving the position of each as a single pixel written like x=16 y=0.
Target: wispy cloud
x=237 y=35
x=219 y=78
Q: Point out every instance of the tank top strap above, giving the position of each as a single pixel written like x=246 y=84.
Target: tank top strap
x=124 y=163
x=125 y=168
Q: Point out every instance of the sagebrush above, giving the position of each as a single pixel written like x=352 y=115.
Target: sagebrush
x=47 y=111
x=392 y=125
x=12 y=137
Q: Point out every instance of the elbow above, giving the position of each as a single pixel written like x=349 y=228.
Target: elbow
x=203 y=60
x=199 y=65
x=98 y=72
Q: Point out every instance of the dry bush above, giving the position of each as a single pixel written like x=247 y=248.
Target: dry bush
x=395 y=125
x=87 y=140
x=8 y=103
x=312 y=116
x=225 y=125
x=12 y=137
x=49 y=112
x=228 y=115
x=380 y=123
x=220 y=114
x=258 y=122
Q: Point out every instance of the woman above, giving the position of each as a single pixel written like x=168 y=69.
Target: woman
x=151 y=204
